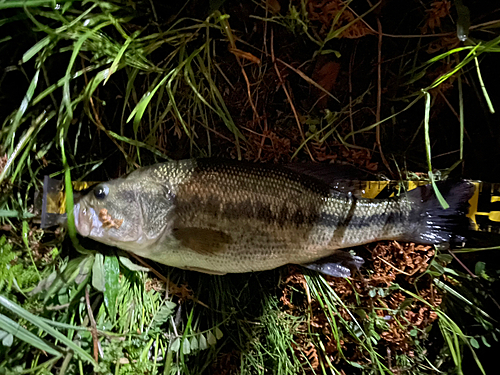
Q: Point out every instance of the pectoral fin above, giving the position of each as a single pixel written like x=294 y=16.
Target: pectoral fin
x=203 y=240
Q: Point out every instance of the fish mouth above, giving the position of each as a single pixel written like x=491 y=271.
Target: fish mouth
x=86 y=219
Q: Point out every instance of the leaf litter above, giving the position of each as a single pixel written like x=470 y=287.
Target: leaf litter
x=377 y=297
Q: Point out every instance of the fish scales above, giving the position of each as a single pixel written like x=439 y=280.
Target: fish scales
x=269 y=215
x=220 y=217
x=236 y=194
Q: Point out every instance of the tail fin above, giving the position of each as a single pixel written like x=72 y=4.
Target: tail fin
x=434 y=224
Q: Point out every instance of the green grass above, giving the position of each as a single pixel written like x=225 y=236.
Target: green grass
x=108 y=77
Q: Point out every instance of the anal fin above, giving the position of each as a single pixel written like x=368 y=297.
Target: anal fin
x=337 y=265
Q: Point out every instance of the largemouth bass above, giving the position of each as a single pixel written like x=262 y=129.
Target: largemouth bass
x=229 y=217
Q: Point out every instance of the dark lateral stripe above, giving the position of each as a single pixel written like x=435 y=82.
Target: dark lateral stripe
x=393 y=217
x=247 y=209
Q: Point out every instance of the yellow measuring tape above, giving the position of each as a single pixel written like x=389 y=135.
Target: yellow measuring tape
x=56 y=202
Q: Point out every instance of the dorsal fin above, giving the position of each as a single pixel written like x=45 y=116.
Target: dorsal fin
x=342 y=177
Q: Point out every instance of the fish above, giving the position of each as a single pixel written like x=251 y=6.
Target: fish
x=222 y=216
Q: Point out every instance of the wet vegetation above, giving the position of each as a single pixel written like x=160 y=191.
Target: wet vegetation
x=92 y=90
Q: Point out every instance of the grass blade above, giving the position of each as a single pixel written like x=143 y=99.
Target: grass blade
x=35 y=49
x=112 y=284
x=140 y=108
x=24 y=106
x=40 y=323
x=483 y=87
x=25 y=139
x=439 y=196
x=23 y=334
x=5 y=4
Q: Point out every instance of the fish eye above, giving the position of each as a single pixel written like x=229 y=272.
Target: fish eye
x=101 y=192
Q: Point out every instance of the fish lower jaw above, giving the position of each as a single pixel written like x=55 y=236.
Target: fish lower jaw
x=83 y=222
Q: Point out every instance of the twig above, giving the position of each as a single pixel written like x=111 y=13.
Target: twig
x=288 y=96
x=174 y=289
x=307 y=79
x=154 y=11
x=351 y=63
x=57 y=307
x=100 y=126
x=232 y=49
x=65 y=364
x=449 y=104
x=389 y=359
x=379 y=95
x=308 y=293
x=263 y=140
x=93 y=325
x=451 y=33
x=432 y=294
x=397 y=269
x=472 y=275
x=463 y=265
